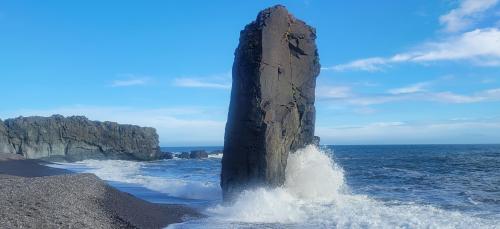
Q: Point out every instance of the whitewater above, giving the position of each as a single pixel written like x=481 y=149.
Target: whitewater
x=316 y=193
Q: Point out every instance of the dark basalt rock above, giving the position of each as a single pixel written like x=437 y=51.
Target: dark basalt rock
x=272 y=100
x=217 y=152
x=166 y=155
x=198 y=154
x=316 y=141
x=76 y=138
x=5 y=144
x=184 y=155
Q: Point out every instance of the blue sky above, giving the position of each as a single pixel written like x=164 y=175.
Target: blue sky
x=392 y=72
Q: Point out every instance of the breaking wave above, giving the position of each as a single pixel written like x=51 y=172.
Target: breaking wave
x=215 y=155
x=315 y=195
x=132 y=172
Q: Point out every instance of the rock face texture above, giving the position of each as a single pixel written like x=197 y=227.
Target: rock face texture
x=271 y=112
x=76 y=138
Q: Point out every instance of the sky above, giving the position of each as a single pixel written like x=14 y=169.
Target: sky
x=393 y=72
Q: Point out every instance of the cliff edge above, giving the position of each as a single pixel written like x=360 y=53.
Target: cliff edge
x=76 y=138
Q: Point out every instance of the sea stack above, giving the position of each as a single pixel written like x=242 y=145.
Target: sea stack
x=271 y=112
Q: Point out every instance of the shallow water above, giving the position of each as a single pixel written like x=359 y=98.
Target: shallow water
x=403 y=186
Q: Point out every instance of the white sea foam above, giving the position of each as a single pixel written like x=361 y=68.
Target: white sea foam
x=130 y=172
x=315 y=196
x=311 y=175
x=215 y=155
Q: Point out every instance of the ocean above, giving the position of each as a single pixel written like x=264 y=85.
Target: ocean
x=370 y=186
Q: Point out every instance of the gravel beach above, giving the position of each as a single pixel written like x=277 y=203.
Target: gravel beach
x=36 y=196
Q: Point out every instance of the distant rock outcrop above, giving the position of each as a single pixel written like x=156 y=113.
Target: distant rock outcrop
x=272 y=100
x=183 y=155
x=77 y=138
x=166 y=155
x=198 y=154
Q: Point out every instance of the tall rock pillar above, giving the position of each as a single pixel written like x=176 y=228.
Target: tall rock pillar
x=271 y=112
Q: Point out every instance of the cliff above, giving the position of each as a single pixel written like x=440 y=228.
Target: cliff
x=271 y=112
x=77 y=138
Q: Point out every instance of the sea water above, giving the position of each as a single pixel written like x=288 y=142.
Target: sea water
x=392 y=186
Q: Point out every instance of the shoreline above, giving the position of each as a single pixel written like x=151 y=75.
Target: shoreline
x=34 y=195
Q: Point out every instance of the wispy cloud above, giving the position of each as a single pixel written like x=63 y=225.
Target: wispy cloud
x=190 y=82
x=414 y=92
x=334 y=91
x=345 y=94
x=450 y=97
x=415 y=88
x=129 y=80
x=486 y=130
x=364 y=110
x=368 y=64
x=487 y=80
x=468 y=13
x=480 y=47
x=481 y=96
x=218 y=81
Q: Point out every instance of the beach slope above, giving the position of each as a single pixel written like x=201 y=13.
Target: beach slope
x=36 y=196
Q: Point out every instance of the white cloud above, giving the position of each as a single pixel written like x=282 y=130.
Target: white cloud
x=334 y=92
x=368 y=64
x=217 y=81
x=130 y=80
x=386 y=124
x=364 y=110
x=175 y=126
x=366 y=100
x=487 y=80
x=447 y=131
x=415 y=88
x=449 y=97
x=480 y=47
x=127 y=83
x=414 y=92
x=198 y=83
x=482 y=96
x=466 y=14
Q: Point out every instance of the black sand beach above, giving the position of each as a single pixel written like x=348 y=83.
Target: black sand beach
x=37 y=196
